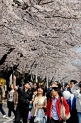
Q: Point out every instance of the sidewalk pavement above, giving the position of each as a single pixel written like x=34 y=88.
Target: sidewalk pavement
x=6 y=119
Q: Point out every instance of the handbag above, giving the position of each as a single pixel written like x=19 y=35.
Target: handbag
x=40 y=120
x=62 y=112
x=29 y=115
x=40 y=117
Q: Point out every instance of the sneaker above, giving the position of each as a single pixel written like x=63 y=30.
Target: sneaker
x=4 y=116
x=7 y=117
x=21 y=121
x=14 y=120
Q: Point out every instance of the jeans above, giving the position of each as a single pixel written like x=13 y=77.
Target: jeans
x=2 y=110
x=79 y=117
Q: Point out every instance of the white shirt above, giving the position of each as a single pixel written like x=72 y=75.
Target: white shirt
x=11 y=96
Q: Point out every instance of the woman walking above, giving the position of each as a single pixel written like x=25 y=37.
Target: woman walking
x=54 y=107
x=39 y=106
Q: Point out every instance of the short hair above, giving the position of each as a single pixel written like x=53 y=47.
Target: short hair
x=65 y=84
x=55 y=88
x=58 y=90
x=79 y=84
x=74 y=81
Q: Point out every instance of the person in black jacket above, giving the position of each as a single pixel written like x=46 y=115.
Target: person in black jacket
x=24 y=99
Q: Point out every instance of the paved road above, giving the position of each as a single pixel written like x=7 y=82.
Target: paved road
x=6 y=120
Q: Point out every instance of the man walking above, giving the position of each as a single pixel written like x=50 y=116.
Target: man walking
x=24 y=98
x=2 y=96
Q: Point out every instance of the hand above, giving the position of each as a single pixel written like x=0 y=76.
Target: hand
x=16 y=103
x=32 y=100
x=15 y=108
x=66 y=117
x=40 y=107
x=16 y=88
x=14 y=77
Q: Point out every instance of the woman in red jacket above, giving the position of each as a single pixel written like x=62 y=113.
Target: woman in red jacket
x=54 y=105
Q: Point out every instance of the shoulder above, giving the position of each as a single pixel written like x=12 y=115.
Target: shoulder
x=49 y=100
x=63 y=99
x=2 y=89
x=65 y=102
x=44 y=97
x=29 y=92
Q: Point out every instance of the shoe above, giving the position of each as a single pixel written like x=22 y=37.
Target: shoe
x=7 y=117
x=21 y=121
x=4 y=116
x=14 y=120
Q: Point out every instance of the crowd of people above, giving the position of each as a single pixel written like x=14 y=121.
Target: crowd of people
x=37 y=104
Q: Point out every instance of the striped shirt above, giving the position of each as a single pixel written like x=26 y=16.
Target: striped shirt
x=54 y=110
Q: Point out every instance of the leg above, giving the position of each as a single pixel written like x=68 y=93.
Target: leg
x=25 y=115
x=13 y=111
x=17 y=115
x=61 y=121
x=68 y=121
x=48 y=120
x=74 y=116
x=54 y=121
x=12 y=108
x=2 y=110
x=32 y=120
x=9 y=112
x=9 y=109
x=79 y=117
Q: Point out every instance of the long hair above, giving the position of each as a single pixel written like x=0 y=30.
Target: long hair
x=42 y=87
x=59 y=92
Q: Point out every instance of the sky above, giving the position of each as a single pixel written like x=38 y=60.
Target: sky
x=79 y=49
